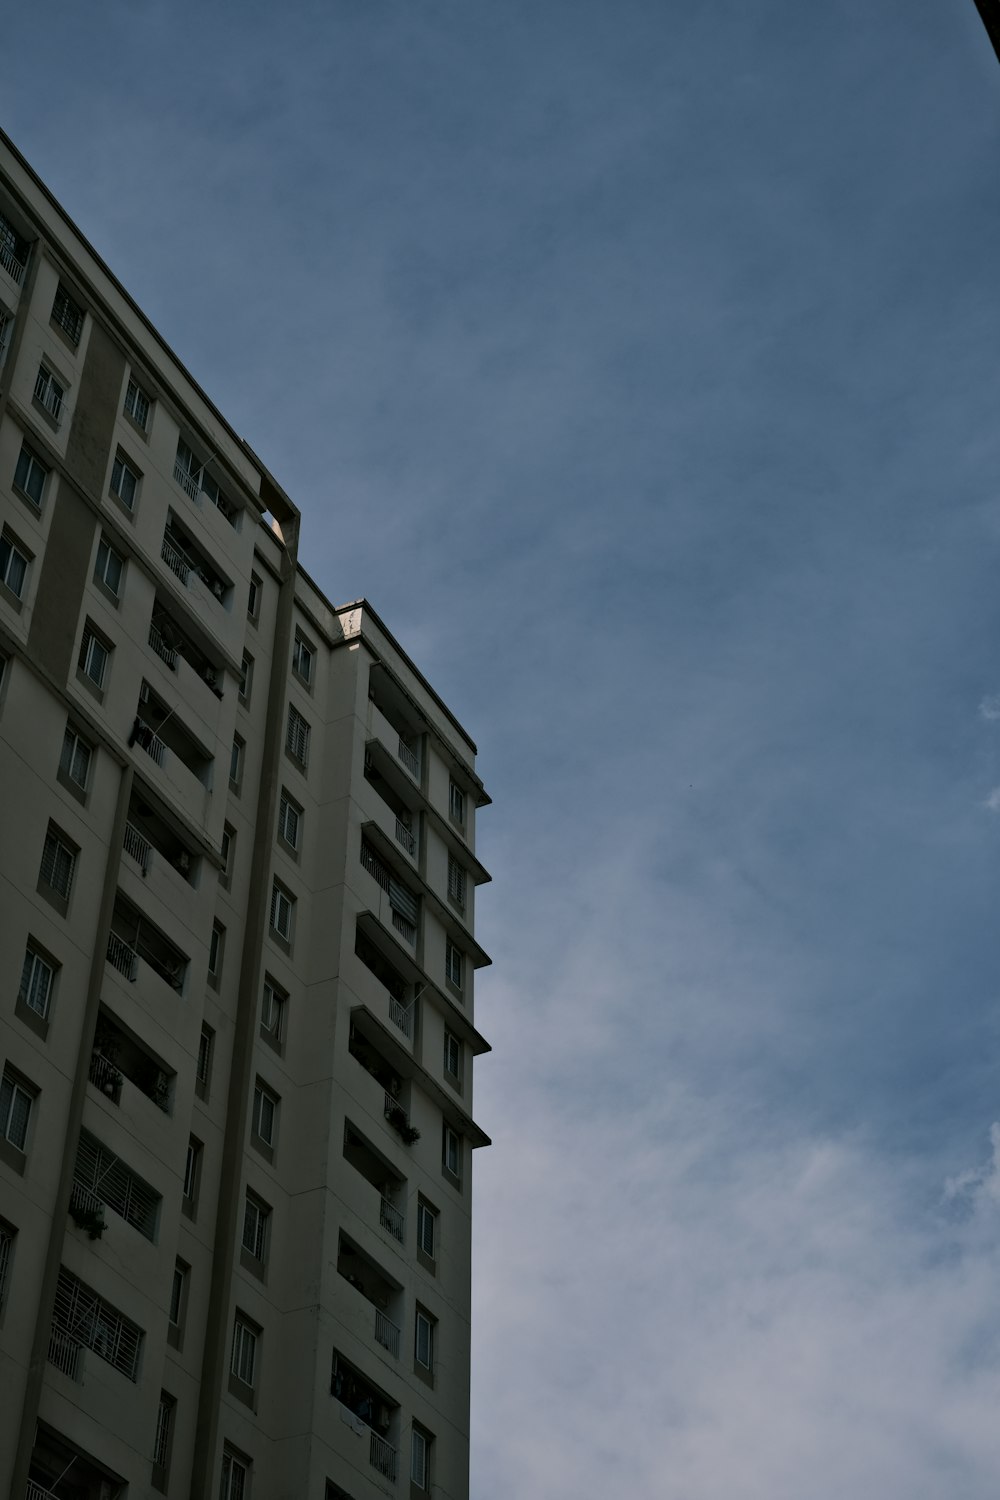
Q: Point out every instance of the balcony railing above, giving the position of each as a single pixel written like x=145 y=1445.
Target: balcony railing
x=137 y=848
x=391 y=1219
x=386 y=1333
x=122 y=957
x=83 y=1201
x=404 y=836
x=48 y=395
x=150 y=742
x=105 y=1076
x=401 y=1015
x=404 y=927
x=382 y=1457
x=189 y=483
x=164 y=652
x=64 y=1353
x=409 y=758
x=175 y=561
x=36 y=1492
x=11 y=264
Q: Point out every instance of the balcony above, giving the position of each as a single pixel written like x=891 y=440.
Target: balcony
x=13 y=251
x=376 y=1171
x=60 y=1471
x=160 y=734
x=369 y=1412
x=378 y=1293
x=150 y=844
x=391 y=1086
x=119 y=1063
x=190 y=564
x=198 y=673
x=398 y=905
x=134 y=942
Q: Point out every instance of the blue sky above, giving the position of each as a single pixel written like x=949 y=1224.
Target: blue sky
x=639 y=362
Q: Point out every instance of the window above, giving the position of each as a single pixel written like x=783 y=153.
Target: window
x=58 y=864
x=235 y=1477
x=216 y=947
x=236 y=763
x=272 y=1013
x=67 y=314
x=192 y=1171
x=74 y=762
x=161 y=1441
x=451 y=1152
x=124 y=481
x=244 y=1360
x=110 y=567
x=297 y=737
x=246 y=677
x=453 y=964
x=203 y=1067
x=289 y=820
x=456 y=803
x=30 y=476
x=253 y=597
x=456 y=882
x=227 y=850
x=13 y=565
x=303 y=657
x=137 y=404
x=423 y=1340
x=94 y=656
x=16 y=1100
x=49 y=393
x=178 y=1302
x=255 y=1221
x=6 y=1256
x=420 y=1452
x=265 y=1113
x=282 y=912
x=426 y=1228
x=452 y=1056
x=37 y=979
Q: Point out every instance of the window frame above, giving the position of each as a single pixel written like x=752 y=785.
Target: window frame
x=303 y=659
x=49 y=393
x=427 y=1215
x=244 y=1356
x=288 y=809
x=265 y=1097
x=451 y=1141
x=256 y=1214
x=34 y=961
x=58 y=849
x=456 y=802
x=254 y=594
x=236 y=759
x=67 y=315
x=106 y=554
x=454 y=965
x=298 y=733
x=93 y=642
x=134 y=394
x=15 y=550
x=31 y=471
x=15 y=1086
x=457 y=882
x=232 y=1461
x=420 y=1474
x=245 y=684
x=273 y=1002
x=72 y=746
x=121 y=471
x=452 y=1050
x=423 y=1328
x=283 y=904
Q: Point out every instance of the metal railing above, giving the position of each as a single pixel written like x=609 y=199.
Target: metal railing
x=36 y=1492
x=105 y=1076
x=164 y=652
x=401 y=1015
x=409 y=758
x=138 y=848
x=404 y=836
x=11 y=264
x=48 y=395
x=150 y=741
x=83 y=1201
x=386 y=1333
x=82 y=1317
x=175 y=560
x=405 y=928
x=188 y=482
x=382 y=1457
x=122 y=956
x=391 y=1219
x=64 y=1353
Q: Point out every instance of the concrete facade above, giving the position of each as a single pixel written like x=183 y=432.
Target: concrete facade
x=237 y=922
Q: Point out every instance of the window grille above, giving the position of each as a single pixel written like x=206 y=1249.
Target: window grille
x=85 y=1319
x=106 y=1176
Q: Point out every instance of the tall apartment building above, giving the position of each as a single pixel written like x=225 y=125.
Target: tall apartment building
x=236 y=933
